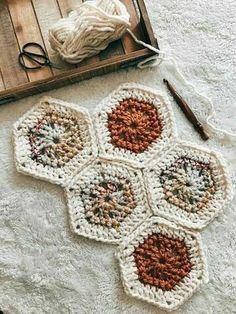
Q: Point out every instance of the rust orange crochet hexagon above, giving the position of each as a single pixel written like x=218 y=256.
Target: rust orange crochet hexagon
x=130 y=181
x=134 y=125
x=162 y=261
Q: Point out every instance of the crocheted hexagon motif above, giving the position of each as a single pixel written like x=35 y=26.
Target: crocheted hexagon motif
x=189 y=186
x=162 y=263
x=54 y=140
x=107 y=201
x=134 y=124
x=122 y=170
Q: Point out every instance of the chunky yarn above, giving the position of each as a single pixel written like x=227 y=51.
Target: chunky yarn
x=128 y=180
x=89 y=29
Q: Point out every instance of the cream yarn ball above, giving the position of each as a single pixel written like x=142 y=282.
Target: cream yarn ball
x=89 y=29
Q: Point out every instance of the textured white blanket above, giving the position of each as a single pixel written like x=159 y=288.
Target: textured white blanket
x=44 y=267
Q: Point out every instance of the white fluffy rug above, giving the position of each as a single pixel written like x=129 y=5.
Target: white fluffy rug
x=44 y=267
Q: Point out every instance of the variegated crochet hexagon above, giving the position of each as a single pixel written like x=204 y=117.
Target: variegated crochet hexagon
x=162 y=263
x=54 y=140
x=134 y=124
x=107 y=201
x=129 y=180
x=190 y=186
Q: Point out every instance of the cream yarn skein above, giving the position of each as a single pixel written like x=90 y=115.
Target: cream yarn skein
x=89 y=29
x=92 y=26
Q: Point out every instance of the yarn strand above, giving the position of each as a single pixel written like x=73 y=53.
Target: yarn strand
x=92 y=26
x=161 y=57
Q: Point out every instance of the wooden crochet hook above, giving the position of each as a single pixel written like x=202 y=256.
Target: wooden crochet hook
x=187 y=111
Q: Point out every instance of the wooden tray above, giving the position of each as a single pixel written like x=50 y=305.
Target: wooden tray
x=23 y=21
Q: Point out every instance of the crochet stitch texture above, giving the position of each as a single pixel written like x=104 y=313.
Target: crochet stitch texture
x=128 y=180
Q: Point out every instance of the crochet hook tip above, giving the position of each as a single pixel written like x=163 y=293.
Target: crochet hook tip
x=204 y=135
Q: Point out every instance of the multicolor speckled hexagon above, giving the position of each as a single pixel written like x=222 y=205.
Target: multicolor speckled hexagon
x=107 y=201
x=189 y=186
x=130 y=181
x=54 y=140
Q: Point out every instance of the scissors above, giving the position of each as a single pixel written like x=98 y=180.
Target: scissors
x=39 y=60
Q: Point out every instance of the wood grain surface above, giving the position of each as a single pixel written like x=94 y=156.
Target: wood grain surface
x=128 y=43
x=23 y=21
x=2 y=86
x=66 y=6
x=18 y=11
x=48 y=13
x=12 y=75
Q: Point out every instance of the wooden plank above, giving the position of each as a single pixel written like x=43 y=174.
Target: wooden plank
x=12 y=74
x=114 y=49
x=78 y=74
x=128 y=43
x=27 y=30
x=146 y=23
x=48 y=14
x=67 y=5
x=2 y=86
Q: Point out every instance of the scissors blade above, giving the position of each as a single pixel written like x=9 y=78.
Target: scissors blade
x=22 y=63
x=40 y=58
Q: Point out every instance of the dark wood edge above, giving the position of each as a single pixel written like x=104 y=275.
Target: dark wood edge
x=86 y=71
x=146 y=23
x=75 y=75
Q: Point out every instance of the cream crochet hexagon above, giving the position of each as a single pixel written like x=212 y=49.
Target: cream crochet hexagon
x=130 y=181
x=107 y=201
x=189 y=186
x=54 y=140
x=136 y=264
